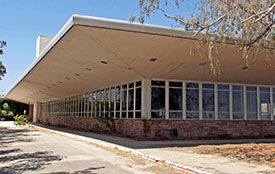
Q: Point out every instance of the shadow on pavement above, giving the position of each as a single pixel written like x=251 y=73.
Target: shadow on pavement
x=5 y=152
x=89 y=170
x=27 y=162
x=13 y=161
x=13 y=135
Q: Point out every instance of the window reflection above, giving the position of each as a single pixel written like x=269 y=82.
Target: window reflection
x=192 y=100
x=208 y=101
x=251 y=102
x=265 y=107
x=175 y=100
x=223 y=102
x=158 y=99
x=237 y=100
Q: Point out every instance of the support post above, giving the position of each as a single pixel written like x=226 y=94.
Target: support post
x=146 y=99
x=36 y=111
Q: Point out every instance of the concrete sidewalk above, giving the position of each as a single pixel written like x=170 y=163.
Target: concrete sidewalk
x=25 y=150
x=172 y=153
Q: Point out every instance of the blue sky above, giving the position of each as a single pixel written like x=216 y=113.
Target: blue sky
x=22 y=21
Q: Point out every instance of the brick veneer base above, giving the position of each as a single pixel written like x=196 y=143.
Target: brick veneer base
x=161 y=129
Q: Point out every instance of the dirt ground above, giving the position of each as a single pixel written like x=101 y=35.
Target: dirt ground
x=263 y=153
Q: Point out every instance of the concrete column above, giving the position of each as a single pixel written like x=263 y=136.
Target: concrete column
x=36 y=111
x=30 y=112
x=146 y=99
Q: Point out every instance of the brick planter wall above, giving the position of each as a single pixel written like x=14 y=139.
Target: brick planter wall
x=161 y=129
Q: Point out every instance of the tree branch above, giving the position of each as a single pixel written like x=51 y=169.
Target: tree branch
x=268 y=11
x=247 y=19
x=209 y=25
x=169 y=16
x=265 y=31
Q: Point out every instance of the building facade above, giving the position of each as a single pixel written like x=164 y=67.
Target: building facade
x=143 y=81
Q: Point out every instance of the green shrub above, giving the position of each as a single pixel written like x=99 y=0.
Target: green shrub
x=21 y=120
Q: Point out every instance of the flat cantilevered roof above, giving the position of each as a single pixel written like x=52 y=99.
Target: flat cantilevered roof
x=89 y=53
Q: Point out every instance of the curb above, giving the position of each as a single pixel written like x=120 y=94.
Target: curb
x=151 y=158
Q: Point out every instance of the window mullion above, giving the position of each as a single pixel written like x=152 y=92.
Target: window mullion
x=120 y=101
x=216 y=101
x=200 y=101
x=245 y=103
x=271 y=104
x=258 y=103
x=183 y=100
x=230 y=102
x=134 y=116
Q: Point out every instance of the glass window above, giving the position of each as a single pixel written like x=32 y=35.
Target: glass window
x=265 y=106
x=138 y=98
x=131 y=100
x=124 y=97
x=192 y=85
x=107 y=107
x=90 y=100
x=138 y=114
x=102 y=98
x=223 y=102
x=225 y=87
x=158 y=99
x=237 y=87
x=251 y=102
x=208 y=100
x=175 y=84
x=208 y=86
x=158 y=83
x=118 y=102
x=238 y=103
x=175 y=99
x=112 y=98
x=131 y=85
x=138 y=84
x=130 y=114
x=98 y=106
x=251 y=88
x=94 y=104
x=192 y=100
x=175 y=102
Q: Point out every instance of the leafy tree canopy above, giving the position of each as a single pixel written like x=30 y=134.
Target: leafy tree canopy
x=11 y=108
x=247 y=23
x=2 y=67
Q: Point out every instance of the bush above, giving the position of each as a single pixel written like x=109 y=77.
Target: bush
x=21 y=120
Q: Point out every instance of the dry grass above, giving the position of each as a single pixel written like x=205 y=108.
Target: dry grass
x=252 y=152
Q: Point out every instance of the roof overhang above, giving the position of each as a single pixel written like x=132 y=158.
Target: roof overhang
x=89 y=53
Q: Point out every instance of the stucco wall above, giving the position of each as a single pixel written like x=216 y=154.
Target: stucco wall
x=161 y=129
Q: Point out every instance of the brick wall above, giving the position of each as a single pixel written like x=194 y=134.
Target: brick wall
x=161 y=129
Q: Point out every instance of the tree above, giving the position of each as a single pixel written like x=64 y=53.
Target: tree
x=5 y=110
x=247 y=23
x=15 y=107
x=2 y=67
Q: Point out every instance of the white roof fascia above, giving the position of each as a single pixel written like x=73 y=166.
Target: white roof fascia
x=108 y=24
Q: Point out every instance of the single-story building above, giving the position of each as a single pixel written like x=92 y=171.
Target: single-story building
x=142 y=81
